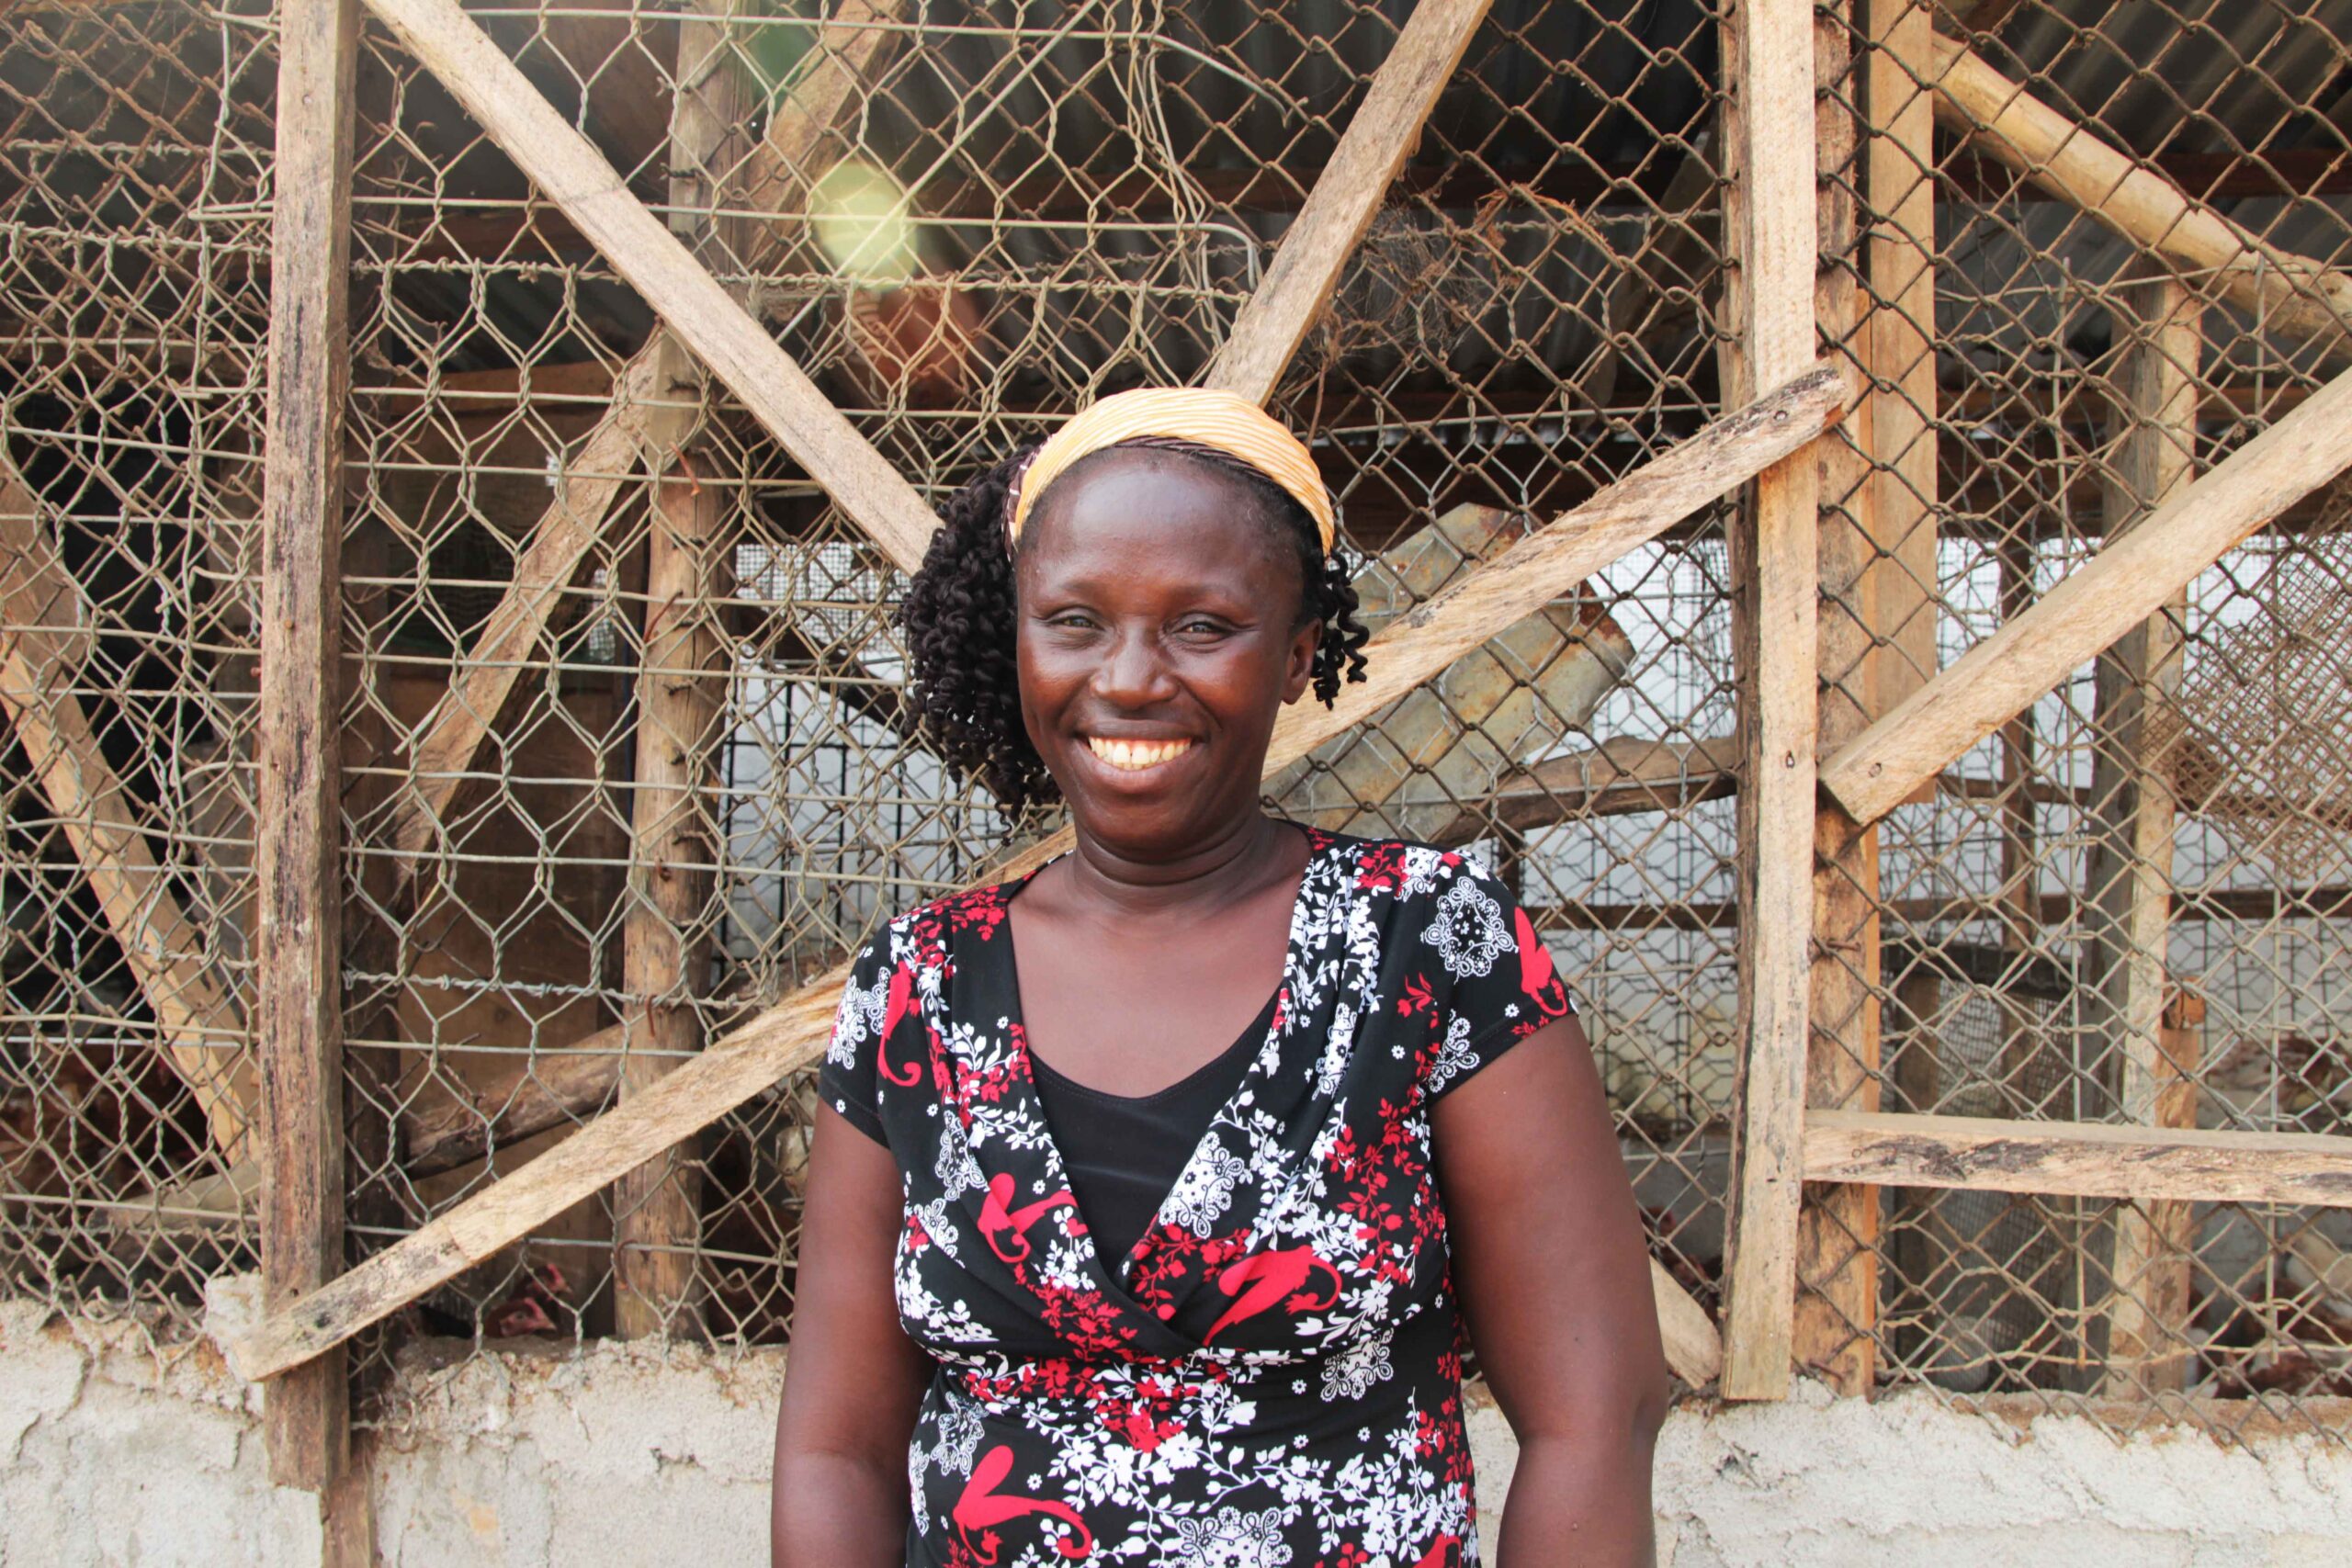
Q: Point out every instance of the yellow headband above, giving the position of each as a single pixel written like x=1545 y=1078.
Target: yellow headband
x=1230 y=422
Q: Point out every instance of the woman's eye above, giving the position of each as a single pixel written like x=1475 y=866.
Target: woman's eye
x=1200 y=627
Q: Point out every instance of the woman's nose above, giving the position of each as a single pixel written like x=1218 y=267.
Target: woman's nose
x=1132 y=672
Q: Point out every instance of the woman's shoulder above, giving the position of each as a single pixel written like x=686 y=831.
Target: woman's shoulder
x=977 y=911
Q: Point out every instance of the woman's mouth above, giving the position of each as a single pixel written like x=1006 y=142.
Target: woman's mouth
x=1133 y=756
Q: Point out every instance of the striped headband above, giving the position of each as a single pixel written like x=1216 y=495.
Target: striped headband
x=1224 y=421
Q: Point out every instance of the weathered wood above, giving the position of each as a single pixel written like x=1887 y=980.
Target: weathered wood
x=298 y=990
x=570 y=1084
x=1631 y=512
x=2283 y=290
x=1694 y=1351
x=2125 y=584
x=666 y=940
x=792 y=1034
x=2079 y=1159
x=41 y=607
x=693 y=304
x=2127 y=876
x=656 y=400
x=1380 y=137
x=45 y=638
x=1899 y=258
x=1770 y=219
x=1617 y=778
x=1835 y=1311
x=665 y=945
x=1516 y=695
x=650 y=413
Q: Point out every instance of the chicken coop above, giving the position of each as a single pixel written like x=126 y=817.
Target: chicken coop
x=1849 y=498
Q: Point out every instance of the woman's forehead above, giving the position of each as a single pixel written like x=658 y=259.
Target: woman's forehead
x=1157 y=528
x=1138 y=495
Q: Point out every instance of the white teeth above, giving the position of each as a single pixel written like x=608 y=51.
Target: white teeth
x=1136 y=754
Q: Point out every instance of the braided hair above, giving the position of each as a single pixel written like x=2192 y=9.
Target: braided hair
x=960 y=619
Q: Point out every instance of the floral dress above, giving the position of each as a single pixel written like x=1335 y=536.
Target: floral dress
x=1271 y=1377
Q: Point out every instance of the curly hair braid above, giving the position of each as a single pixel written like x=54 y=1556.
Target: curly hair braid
x=960 y=619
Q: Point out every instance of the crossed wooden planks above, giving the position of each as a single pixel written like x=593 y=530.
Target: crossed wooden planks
x=772 y=387
x=656 y=400
x=792 y=1034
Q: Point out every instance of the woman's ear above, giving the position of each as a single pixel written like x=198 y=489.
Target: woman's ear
x=1300 y=669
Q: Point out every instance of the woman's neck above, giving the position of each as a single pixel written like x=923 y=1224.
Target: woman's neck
x=1209 y=877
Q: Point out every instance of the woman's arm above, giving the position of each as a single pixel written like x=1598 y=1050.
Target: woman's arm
x=852 y=1379
x=1555 y=1282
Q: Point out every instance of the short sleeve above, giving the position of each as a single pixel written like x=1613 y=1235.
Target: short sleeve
x=846 y=1081
x=1503 y=987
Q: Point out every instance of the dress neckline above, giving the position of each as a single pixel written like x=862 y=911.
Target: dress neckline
x=1252 y=1034
x=1115 y=1270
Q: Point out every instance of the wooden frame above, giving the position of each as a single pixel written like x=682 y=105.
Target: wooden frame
x=2127 y=877
x=1773 y=136
x=2279 y=289
x=792 y=1034
x=656 y=400
x=203 y=1035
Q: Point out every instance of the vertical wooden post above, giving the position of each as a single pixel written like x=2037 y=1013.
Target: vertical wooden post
x=658 y=1207
x=1899 y=178
x=1768 y=222
x=1899 y=261
x=2127 y=877
x=666 y=946
x=298 y=1012
x=1837 y=1266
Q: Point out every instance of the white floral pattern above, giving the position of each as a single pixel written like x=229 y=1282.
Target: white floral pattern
x=1203 y=1191
x=1469 y=932
x=1232 y=1539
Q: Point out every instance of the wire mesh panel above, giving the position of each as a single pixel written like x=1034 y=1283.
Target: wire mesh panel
x=132 y=309
x=2119 y=907
x=626 y=745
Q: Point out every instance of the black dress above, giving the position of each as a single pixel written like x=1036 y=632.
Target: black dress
x=1269 y=1376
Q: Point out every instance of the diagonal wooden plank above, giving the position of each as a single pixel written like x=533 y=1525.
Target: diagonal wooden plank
x=2278 y=287
x=655 y=400
x=1380 y=136
x=792 y=1034
x=45 y=638
x=640 y=427
x=2118 y=589
x=696 y=307
x=203 y=1036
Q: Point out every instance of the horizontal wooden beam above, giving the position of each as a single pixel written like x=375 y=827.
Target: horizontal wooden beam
x=1617 y=778
x=792 y=1034
x=2120 y=587
x=2077 y=1159
x=692 y=303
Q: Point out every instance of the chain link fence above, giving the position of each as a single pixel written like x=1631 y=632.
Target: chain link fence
x=625 y=748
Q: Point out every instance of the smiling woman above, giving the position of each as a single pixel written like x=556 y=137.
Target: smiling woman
x=1156 y=1189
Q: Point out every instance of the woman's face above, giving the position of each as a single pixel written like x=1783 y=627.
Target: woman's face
x=1158 y=637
